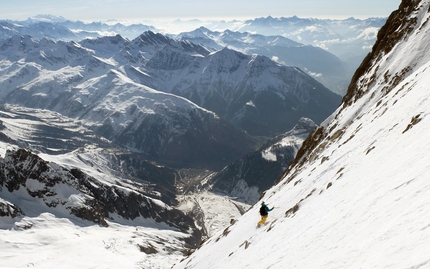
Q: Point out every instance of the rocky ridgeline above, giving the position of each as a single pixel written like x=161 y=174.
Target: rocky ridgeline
x=32 y=182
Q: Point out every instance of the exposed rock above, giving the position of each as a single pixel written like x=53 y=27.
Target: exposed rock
x=81 y=195
x=9 y=210
x=398 y=25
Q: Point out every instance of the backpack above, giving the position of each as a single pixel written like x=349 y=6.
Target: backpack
x=263 y=211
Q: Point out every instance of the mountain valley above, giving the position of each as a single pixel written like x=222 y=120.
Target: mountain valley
x=146 y=149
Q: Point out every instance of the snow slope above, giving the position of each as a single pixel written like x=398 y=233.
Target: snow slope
x=358 y=196
x=49 y=242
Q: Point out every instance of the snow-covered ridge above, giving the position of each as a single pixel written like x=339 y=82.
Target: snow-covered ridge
x=106 y=86
x=28 y=180
x=308 y=43
x=47 y=203
x=357 y=194
x=118 y=86
x=315 y=61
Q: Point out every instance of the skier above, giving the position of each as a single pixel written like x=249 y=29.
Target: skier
x=264 y=212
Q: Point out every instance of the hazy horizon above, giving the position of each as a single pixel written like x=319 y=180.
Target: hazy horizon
x=170 y=10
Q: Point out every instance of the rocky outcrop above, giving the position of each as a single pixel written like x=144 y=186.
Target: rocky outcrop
x=9 y=210
x=398 y=25
x=57 y=189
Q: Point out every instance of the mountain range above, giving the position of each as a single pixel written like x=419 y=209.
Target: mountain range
x=357 y=36
x=329 y=50
x=132 y=93
x=315 y=61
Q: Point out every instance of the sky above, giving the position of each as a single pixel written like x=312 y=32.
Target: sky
x=135 y=10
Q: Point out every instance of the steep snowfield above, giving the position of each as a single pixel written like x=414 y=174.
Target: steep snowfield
x=361 y=197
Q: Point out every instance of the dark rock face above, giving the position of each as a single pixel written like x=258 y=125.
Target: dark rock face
x=398 y=25
x=91 y=199
x=9 y=210
x=259 y=172
x=24 y=166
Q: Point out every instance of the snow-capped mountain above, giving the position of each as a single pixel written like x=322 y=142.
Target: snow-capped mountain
x=59 y=28
x=54 y=217
x=38 y=29
x=325 y=33
x=317 y=62
x=248 y=177
x=240 y=88
x=356 y=195
x=349 y=39
x=57 y=138
x=245 y=41
x=76 y=82
x=116 y=86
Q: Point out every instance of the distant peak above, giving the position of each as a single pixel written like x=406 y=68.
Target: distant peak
x=305 y=123
x=227 y=50
x=47 y=18
x=204 y=29
x=198 y=31
x=151 y=38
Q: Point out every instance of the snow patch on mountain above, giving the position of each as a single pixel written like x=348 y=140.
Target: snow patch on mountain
x=218 y=211
x=268 y=155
